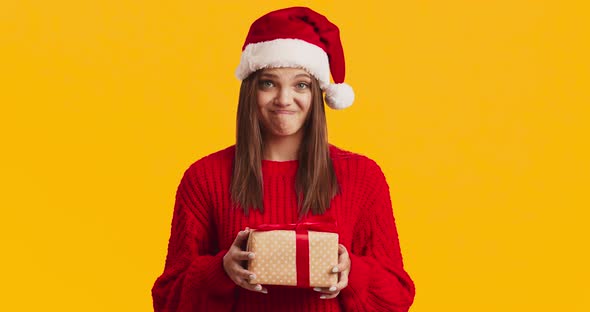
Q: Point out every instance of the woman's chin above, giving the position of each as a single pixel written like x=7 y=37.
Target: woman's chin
x=284 y=134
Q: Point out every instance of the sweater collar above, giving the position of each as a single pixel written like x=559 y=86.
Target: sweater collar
x=275 y=168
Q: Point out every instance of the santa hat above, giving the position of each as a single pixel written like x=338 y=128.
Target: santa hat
x=298 y=37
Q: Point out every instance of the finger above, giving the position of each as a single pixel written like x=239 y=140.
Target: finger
x=326 y=290
x=342 y=252
x=244 y=274
x=254 y=287
x=332 y=296
x=343 y=282
x=343 y=264
x=244 y=283
x=341 y=267
x=243 y=255
x=243 y=278
x=241 y=237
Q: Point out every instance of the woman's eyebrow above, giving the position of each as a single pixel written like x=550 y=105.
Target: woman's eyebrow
x=303 y=75
x=269 y=75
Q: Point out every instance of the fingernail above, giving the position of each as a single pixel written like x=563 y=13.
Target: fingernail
x=264 y=291
x=258 y=287
x=252 y=276
x=251 y=256
x=333 y=288
x=335 y=269
x=247 y=229
x=323 y=297
x=317 y=289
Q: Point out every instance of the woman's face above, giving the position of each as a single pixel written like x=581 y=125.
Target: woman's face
x=284 y=98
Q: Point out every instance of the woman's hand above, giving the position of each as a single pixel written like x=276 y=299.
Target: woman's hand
x=343 y=268
x=232 y=263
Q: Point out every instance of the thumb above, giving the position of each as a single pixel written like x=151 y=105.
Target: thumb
x=241 y=237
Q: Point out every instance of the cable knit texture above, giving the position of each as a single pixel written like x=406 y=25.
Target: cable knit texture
x=204 y=226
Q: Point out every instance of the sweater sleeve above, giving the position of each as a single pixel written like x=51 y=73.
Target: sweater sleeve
x=193 y=277
x=377 y=279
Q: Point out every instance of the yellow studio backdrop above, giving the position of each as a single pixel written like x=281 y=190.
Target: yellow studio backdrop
x=475 y=110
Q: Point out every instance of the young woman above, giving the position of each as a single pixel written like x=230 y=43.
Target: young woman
x=283 y=170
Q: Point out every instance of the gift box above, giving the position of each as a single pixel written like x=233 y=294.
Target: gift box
x=301 y=255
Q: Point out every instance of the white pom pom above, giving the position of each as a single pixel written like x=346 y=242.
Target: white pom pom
x=339 y=95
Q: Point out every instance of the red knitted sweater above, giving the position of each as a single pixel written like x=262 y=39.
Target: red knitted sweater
x=204 y=227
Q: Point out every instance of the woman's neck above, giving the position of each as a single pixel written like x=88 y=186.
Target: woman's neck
x=281 y=148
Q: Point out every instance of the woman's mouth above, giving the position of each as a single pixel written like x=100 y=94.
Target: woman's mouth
x=287 y=112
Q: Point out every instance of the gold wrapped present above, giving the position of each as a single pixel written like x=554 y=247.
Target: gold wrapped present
x=294 y=254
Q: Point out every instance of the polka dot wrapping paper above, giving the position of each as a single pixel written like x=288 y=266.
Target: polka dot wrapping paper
x=276 y=253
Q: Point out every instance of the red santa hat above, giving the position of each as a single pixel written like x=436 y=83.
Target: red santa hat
x=298 y=37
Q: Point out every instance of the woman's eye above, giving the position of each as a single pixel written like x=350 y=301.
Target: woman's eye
x=302 y=85
x=266 y=84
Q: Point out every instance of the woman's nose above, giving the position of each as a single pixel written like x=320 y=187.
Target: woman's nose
x=284 y=97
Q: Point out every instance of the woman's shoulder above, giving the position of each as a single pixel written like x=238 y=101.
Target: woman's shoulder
x=218 y=160
x=356 y=165
x=359 y=169
x=342 y=156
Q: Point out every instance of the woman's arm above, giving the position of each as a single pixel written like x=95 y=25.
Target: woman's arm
x=193 y=277
x=377 y=279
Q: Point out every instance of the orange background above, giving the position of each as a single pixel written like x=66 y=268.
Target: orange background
x=476 y=111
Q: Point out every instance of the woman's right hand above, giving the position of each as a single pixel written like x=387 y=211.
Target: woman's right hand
x=232 y=264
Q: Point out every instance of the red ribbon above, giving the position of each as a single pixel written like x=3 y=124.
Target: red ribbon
x=314 y=223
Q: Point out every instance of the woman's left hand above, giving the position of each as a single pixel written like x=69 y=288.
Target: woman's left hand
x=343 y=268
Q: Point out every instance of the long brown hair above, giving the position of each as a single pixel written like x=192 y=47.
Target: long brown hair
x=315 y=183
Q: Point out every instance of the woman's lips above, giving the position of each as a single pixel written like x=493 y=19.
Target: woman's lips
x=287 y=112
